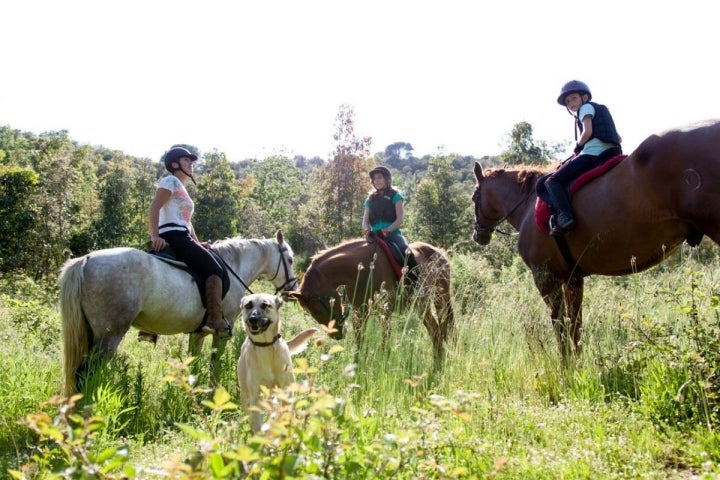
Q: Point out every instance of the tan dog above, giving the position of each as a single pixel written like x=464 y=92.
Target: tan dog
x=265 y=356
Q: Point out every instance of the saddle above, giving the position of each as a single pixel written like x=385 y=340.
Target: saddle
x=396 y=258
x=168 y=256
x=542 y=207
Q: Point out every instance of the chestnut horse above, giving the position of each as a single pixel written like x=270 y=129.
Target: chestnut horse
x=364 y=270
x=630 y=219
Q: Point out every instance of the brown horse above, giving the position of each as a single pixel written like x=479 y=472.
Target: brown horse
x=630 y=219
x=364 y=270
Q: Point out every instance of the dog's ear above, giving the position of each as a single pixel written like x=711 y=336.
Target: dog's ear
x=278 y=302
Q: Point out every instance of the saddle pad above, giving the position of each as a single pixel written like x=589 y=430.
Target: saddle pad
x=168 y=259
x=393 y=262
x=542 y=209
x=168 y=256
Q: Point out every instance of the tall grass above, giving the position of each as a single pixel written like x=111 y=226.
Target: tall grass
x=641 y=401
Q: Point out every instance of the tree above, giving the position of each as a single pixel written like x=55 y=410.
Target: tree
x=55 y=201
x=217 y=202
x=117 y=209
x=440 y=215
x=18 y=216
x=276 y=190
x=396 y=153
x=523 y=150
x=345 y=179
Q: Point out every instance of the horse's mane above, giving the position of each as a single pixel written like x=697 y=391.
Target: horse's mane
x=526 y=175
x=333 y=249
x=239 y=242
x=234 y=247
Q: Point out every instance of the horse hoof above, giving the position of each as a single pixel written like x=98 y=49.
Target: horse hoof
x=147 y=337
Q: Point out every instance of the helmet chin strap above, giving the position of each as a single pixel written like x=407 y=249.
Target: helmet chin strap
x=186 y=173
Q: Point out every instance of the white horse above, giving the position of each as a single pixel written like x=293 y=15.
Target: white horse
x=104 y=293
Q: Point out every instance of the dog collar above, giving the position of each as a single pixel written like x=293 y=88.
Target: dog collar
x=265 y=344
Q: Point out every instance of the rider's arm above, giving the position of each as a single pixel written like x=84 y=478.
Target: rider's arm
x=162 y=195
x=366 y=220
x=399 y=213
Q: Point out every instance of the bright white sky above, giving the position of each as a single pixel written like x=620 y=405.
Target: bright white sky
x=258 y=78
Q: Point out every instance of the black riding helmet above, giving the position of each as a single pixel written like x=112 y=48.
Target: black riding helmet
x=573 y=86
x=175 y=154
x=385 y=173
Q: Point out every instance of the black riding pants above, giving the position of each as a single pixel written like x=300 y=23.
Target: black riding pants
x=572 y=169
x=191 y=252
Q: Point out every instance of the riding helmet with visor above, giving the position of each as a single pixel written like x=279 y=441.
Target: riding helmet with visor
x=175 y=154
x=383 y=171
x=573 y=86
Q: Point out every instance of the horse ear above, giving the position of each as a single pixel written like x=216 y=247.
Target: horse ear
x=279 y=236
x=292 y=296
x=478 y=171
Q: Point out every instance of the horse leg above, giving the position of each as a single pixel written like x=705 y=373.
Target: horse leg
x=573 y=293
x=436 y=332
x=359 y=321
x=218 y=350
x=195 y=345
x=552 y=291
x=445 y=316
x=100 y=352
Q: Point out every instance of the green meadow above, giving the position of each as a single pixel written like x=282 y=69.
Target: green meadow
x=641 y=401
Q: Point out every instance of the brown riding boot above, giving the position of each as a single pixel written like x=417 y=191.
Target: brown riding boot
x=216 y=323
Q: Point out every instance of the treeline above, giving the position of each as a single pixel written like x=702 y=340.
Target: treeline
x=59 y=199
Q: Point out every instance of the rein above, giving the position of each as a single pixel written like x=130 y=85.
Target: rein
x=479 y=228
x=282 y=249
x=265 y=344
x=247 y=288
x=340 y=319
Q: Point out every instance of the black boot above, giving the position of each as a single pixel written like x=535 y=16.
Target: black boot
x=564 y=219
x=412 y=275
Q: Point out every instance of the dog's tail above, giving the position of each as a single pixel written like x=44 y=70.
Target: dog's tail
x=299 y=342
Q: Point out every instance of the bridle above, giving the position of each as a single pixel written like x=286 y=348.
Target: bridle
x=290 y=280
x=481 y=229
x=324 y=302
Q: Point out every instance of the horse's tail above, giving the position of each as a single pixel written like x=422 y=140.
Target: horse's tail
x=76 y=331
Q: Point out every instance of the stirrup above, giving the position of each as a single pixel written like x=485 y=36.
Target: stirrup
x=225 y=332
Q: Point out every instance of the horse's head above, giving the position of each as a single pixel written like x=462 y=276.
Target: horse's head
x=324 y=305
x=282 y=276
x=499 y=196
x=484 y=225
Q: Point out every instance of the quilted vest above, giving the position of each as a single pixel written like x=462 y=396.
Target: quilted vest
x=603 y=126
x=382 y=209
